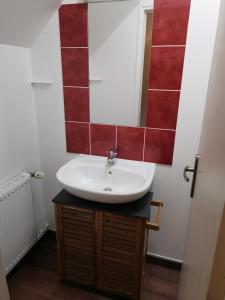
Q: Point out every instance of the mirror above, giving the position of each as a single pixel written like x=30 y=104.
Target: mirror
x=119 y=35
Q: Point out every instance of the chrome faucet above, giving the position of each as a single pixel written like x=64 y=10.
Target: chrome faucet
x=111 y=160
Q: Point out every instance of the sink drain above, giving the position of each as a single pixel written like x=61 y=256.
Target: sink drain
x=107 y=189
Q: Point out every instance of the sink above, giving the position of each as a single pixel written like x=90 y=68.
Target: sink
x=91 y=178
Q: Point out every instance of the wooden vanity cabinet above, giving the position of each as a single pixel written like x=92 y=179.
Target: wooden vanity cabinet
x=76 y=244
x=101 y=249
x=120 y=254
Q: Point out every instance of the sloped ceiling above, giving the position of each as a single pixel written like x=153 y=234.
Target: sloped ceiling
x=21 y=21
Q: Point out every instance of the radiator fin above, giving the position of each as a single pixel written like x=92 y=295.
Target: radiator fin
x=18 y=232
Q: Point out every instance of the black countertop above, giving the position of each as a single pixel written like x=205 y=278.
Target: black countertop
x=138 y=209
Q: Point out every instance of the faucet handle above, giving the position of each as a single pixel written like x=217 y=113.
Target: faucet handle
x=112 y=156
x=112 y=153
x=115 y=155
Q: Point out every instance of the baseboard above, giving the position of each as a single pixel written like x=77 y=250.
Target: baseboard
x=43 y=232
x=164 y=261
x=51 y=232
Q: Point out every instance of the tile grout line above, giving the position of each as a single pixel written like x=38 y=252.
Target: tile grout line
x=74 y=47
x=75 y=86
x=90 y=137
x=167 y=46
x=144 y=144
x=162 y=129
x=152 y=128
x=77 y=122
x=163 y=90
x=116 y=139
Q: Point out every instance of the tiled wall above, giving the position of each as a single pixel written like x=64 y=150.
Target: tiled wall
x=154 y=143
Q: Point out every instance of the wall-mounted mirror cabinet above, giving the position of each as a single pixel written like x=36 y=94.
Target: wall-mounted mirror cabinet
x=119 y=40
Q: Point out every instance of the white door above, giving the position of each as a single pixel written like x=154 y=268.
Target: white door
x=209 y=198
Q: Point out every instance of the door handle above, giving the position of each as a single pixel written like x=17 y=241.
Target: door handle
x=186 y=170
x=194 y=170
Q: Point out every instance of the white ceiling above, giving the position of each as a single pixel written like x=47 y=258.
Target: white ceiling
x=21 y=21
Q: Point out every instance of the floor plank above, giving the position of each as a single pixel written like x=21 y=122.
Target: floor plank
x=36 y=278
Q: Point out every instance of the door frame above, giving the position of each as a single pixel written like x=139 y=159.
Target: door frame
x=144 y=6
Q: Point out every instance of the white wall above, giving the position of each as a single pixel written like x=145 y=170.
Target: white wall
x=19 y=150
x=46 y=63
x=21 y=21
x=113 y=35
x=169 y=184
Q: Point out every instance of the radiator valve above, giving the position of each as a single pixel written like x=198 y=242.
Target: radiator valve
x=37 y=174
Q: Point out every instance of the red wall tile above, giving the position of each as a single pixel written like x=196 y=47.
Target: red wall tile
x=75 y=67
x=162 y=109
x=103 y=138
x=159 y=146
x=170 y=22
x=169 y=28
x=130 y=141
x=77 y=137
x=166 y=68
x=76 y=103
x=73 y=25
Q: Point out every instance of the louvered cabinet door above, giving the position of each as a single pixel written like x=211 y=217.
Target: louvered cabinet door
x=77 y=245
x=120 y=254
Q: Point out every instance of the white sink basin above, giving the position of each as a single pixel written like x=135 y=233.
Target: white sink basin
x=90 y=177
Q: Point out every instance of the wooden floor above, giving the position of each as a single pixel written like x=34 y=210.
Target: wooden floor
x=35 y=278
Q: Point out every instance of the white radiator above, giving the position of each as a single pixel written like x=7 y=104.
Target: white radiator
x=18 y=218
